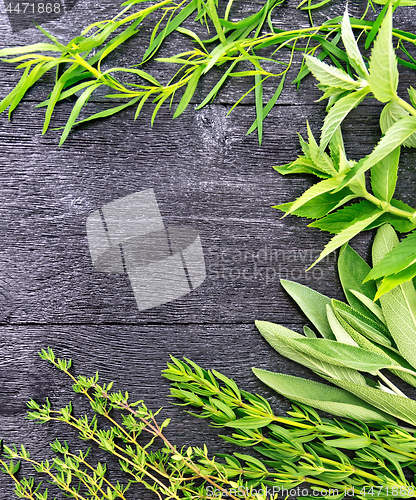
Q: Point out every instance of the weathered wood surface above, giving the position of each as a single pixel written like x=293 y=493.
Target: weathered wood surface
x=207 y=174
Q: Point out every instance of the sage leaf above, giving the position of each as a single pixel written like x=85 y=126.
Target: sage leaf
x=330 y=75
x=397 y=406
x=399 y=304
x=384 y=176
x=313 y=305
x=352 y=270
x=340 y=354
x=339 y=331
x=338 y=112
x=308 y=332
x=370 y=305
x=384 y=75
x=372 y=330
x=281 y=339
x=395 y=136
x=351 y=47
x=321 y=396
x=363 y=342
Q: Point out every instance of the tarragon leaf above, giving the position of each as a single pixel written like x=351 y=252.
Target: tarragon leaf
x=323 y=397
x=384 y=75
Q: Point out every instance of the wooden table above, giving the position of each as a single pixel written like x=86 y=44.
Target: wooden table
x=206 y=174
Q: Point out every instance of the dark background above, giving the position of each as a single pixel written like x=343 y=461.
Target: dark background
x=207 y=174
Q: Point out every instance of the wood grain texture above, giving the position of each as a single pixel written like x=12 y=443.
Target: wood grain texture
x=206 y=174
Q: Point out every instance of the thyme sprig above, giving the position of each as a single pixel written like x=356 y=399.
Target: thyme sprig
x=169 y=472
x=302 y=447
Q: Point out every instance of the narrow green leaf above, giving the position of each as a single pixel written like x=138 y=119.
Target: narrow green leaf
x=394 y=280
x=313 y=305
x=189 y=92
x=77 y=109
x=247 y=423
x=394 y=137
x=27 y=49
x=354 y=54
x=338 y=112
x=217 y=86
x=323 y=397
x=108 y=112
x=308 y=332
x=269 y=105
x=384 y=76
x=355 y=443
x=384 y=176
x=375 y=28
x=352 y=270
x=258 y=92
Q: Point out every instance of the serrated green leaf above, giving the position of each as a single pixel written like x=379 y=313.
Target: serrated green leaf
x=313 y=305
x=301 y=165
x=281 y=339
x=396 y=406
x=392 y=113
x=399 y=304
x=347 y=234
x=384 y=176
x=352 y=270
x=384 y=76
x=351 y=47
x=412 y=95
x=398 y=259
x=330 y=75
x=394 y=280
x=318 y=189
x=395 y=136
x=341 y=219
x=318 y=206
x=338 y=112
x=321 y=396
